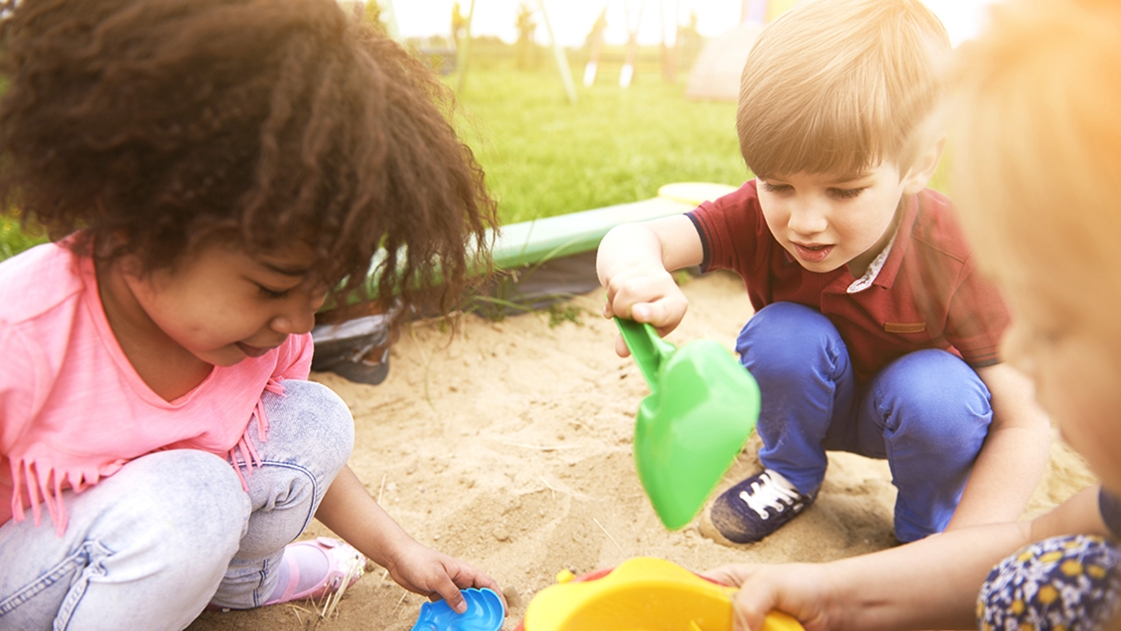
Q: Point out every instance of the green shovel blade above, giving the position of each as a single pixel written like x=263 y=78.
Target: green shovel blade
x=702 y=408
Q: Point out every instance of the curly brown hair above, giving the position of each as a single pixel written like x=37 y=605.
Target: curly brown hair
x=148 y=126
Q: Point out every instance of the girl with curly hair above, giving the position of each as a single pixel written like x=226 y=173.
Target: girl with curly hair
x=211 y=171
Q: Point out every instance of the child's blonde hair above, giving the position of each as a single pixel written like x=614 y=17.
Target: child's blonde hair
x=838 y=86
x=1038 y=159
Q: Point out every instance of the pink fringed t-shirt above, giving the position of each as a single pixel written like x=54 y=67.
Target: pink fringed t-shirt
x=72 y=408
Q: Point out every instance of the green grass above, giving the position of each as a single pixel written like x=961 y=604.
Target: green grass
x=545 y=157
x=13 y=240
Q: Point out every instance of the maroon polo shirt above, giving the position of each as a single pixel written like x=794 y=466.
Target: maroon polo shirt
x=926 y=295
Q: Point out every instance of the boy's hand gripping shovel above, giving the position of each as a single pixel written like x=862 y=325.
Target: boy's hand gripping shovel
x=702 y=408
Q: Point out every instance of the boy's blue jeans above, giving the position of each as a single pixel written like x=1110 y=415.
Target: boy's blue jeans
x=927 y=413
x=150 y=546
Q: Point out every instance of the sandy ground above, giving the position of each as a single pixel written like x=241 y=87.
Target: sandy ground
x=509 y=446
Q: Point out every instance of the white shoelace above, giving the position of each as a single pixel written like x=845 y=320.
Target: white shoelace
x=772 y=491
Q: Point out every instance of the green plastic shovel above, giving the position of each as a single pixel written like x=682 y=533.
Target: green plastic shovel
x=702 y=408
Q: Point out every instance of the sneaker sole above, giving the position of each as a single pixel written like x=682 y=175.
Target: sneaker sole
x=709 y=531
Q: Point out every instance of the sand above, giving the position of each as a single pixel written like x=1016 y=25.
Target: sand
x=508 y=445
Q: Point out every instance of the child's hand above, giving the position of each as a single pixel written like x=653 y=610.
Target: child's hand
x=645 y=293
x=436 y=575
x=795 y=589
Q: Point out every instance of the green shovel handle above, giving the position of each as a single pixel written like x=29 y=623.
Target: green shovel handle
x=647 y=347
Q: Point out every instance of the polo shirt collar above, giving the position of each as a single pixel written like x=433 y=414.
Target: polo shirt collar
x=865 y=281
x=899 y=243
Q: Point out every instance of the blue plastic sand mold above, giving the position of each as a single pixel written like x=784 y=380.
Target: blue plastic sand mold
x=484 y=613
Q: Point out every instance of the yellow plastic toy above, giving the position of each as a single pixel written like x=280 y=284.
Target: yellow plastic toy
x=693 y=193
x=642 y=594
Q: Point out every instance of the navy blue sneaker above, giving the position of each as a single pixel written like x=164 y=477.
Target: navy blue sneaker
x=756 y=507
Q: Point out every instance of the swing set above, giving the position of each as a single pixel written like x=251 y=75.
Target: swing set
x=756 y=11
x=630 y=57
x=563 y=69
x=596 y=60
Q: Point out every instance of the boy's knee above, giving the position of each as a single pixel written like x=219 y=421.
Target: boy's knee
x=787 y=333
x=935 y=394
x=935 y=381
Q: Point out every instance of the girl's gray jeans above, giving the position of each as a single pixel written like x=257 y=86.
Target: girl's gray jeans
x=152 y=545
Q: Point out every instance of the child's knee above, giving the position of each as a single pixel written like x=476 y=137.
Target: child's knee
x=936 y=392
x=310 y=413
x=787 y=336
x=193 y=487
x=171 y=504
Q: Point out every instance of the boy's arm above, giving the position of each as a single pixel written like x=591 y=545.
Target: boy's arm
x=634 y=262
x=351 y=512
x=892 y=589
x=1014 y=455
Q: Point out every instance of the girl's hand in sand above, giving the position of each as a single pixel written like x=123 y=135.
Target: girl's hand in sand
x=794 y=588
x=350 y=511
x=436 y=575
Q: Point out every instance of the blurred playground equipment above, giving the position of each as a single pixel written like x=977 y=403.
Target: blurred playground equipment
x=713 y=76
x=464 y=52
x=626 y=74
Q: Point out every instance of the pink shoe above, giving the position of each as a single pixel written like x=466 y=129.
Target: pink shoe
x=345 y=566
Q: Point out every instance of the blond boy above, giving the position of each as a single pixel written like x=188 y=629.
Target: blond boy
x=872 y=333
x=1038 y=172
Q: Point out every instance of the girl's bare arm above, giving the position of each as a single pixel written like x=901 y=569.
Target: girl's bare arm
x=1014 y=455
x=351 y=512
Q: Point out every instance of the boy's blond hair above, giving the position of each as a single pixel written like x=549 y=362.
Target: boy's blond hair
x=1037 y=128
x=839 y=86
